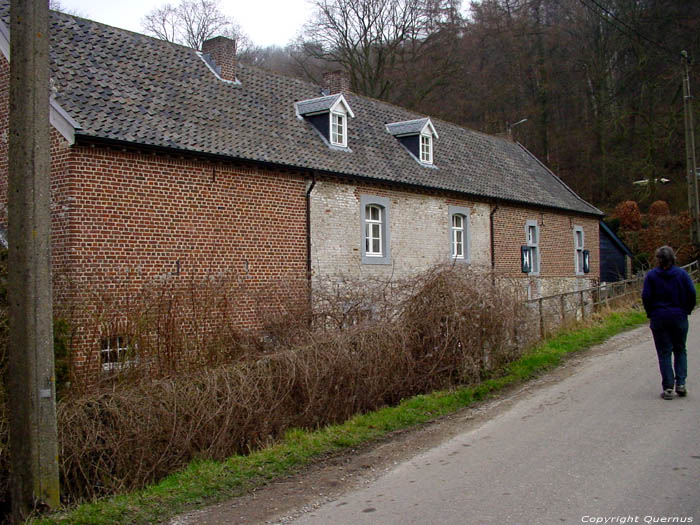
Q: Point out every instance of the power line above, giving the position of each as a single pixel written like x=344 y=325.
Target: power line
x=635 y=33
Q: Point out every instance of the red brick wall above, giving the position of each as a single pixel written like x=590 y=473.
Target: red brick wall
x=556 y=241
x=133 y=216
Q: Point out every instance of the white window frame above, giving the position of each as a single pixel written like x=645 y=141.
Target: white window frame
x=373 y=225
x=368 y=202
x=426 y=154
x=579 y=249
x=339 y=132
x=533 y=243
x=120 y=344
x=464 y=213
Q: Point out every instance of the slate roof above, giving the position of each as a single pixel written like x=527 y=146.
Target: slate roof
x=314 y=105
x=123 y=86
x=408 y=127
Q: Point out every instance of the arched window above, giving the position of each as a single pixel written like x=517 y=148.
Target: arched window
x=373 y=230
x=458 y=236
x=376 y=242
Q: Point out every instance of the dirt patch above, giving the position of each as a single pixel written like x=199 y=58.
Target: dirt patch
x=330 y=477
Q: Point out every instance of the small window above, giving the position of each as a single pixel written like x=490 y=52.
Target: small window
x=579 y=249
x=459 y=233
x=115 y=352
x=338 y=129
x=426 y=149
x=532 y=234
x=374 y=213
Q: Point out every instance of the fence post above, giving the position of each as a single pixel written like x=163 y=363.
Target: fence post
x=539 y=303
x=583 y=306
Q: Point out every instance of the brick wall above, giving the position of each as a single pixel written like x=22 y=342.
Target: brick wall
x=138 y=218
x=556 y=244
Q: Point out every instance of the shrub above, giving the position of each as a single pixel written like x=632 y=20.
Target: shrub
x=362 y=346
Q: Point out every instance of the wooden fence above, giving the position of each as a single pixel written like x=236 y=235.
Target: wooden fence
x=554 y=311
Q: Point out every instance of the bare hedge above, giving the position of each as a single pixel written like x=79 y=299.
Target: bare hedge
x=364 y=345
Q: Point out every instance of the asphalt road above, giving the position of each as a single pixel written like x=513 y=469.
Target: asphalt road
x=600 y=446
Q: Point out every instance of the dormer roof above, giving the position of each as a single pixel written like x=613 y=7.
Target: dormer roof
x=412 y=127
x=325 y=104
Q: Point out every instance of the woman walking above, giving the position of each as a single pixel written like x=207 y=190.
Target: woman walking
x=669 y=297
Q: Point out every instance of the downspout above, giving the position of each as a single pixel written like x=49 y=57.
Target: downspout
x=308 y=233
x=491 y=230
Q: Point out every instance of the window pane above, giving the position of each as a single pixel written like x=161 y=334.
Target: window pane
x=457 y=221
x=375 y=231
x=337 y=128
x=374 y=213
x=579 y=239
x=375 y=246
x=532 y=235
x=535 y=260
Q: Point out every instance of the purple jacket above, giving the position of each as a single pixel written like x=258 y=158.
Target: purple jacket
x=668 y=294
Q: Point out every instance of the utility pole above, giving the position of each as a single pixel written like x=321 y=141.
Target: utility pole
x=691 y=167
x=31 y=383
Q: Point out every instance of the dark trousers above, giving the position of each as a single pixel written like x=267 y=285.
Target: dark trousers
x=669 y=339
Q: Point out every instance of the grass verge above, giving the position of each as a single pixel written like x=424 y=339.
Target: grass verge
x=206 y=482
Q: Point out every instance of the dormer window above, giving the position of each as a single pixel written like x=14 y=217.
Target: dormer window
x=426 y=148
x=339 y=129
x=417 y=137
x=329 y=116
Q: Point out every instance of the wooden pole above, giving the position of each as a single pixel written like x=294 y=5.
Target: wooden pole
x=31 y=388
x=691 y=167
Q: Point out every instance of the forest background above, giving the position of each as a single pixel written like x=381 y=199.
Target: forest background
x=592 y=87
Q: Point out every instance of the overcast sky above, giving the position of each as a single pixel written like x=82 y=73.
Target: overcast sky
x=266 y=22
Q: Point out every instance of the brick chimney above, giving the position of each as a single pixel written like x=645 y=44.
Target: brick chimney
x=337 y=81
x=222 y=50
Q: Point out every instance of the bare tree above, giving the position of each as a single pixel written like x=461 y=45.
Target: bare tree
x=57 y=5
x=191 y=22
x=366 y=37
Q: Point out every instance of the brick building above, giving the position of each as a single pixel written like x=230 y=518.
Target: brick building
x=171 y=162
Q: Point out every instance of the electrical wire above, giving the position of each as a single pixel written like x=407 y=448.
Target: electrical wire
x=635 y=33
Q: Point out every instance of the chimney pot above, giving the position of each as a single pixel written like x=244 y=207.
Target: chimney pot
x=223 y=52
x=337 y=81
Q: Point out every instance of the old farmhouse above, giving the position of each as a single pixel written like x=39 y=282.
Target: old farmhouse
x=170 y=161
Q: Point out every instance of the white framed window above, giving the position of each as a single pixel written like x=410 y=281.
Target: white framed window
x=579 y=247
x=426 y=148
x=114 y=352
x=374 y=214
x=458 y=236
x=339 y=128
x=373 y=230
x=459 y=233
x=532 y=237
